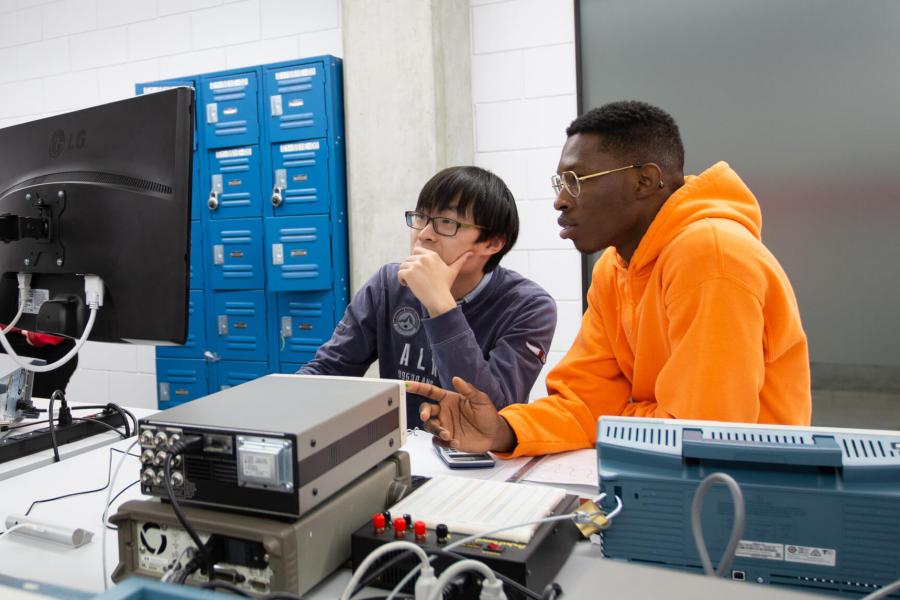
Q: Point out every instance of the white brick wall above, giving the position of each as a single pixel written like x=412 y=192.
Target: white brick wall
x=523 y=87
x=68 y=54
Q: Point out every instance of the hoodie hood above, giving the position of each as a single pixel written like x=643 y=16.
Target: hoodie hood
x=717 y=193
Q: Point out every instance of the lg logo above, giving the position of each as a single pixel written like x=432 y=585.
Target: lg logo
x=60 y=141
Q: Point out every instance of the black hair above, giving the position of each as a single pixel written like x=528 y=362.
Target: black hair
x=482 y=194
x=635 y=131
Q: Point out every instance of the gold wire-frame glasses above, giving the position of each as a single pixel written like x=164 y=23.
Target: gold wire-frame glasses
x=571 y=182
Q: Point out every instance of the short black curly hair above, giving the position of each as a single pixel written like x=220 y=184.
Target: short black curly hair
x=635 y=131
x=492 y=205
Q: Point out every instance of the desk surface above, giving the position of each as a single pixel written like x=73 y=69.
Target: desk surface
x=581 y=577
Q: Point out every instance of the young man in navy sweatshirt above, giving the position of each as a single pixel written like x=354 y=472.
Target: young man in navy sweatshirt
x=449 y=309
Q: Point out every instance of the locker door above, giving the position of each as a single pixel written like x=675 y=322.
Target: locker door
x=230 y=115
x=235 y=250
x=300 y=179
x=240 y=325
x=196 y=262
x=180 y=380
x=232 y=188
x=195 y=344
x=232 y=373
x=196 y=198
x=306 y=321
x=296 y=102
x=299 y=253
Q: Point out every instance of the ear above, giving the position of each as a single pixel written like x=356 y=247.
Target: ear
x=649 y=180
x=492 y=245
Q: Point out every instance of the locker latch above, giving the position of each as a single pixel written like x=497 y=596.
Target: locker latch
x=275 y=105
x=280 y=186
x=219 y=254
x=164 y=391
x=212 y=113
x=214 y=192
x=222 y=324
x=285 y=327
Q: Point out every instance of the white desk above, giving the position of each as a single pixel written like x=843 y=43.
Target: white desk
x=584 y=575
x=25 y=464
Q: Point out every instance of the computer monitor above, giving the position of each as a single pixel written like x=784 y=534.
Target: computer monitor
x=102 y=191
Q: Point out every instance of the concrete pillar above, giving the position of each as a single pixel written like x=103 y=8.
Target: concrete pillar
x=408 y=107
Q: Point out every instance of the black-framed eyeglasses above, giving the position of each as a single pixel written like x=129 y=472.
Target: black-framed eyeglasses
x=571 y=182
x=441 y=225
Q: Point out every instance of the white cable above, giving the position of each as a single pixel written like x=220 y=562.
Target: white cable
x=577 y=515
x=737 y=529
x=44 y=368
x=883 y=591
x=469 y=564
x=375 y=555
x=112 y=484
x=24 y=288
x=11 y=529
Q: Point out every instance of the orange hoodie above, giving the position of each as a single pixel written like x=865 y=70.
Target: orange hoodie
x=701 y=324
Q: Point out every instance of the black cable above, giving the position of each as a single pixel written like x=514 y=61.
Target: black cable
x=178 y=448
x=52 y=427
x=4 y=428
x=83 y=492
x=101 y=423
x=228 y=587
x=121 y=412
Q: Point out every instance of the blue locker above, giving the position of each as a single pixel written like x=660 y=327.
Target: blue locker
x=196 y=262
x=239 y=322
x=229 y=112
x=299 y=179
x=195 y=345
x=232 y=373
x=180 y=380
x=235 y=249
x=298 y=253
x=289 y=368
x=295 y=99
x=305 y=322
x=232 y=187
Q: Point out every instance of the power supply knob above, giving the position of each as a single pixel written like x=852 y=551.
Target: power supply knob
x=147 y=476
x=147 y=456
x=177 y=479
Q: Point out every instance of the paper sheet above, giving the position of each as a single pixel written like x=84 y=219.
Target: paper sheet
x=569 y=468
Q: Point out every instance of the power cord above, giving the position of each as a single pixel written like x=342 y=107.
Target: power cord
x=737 y=529
x=373 y=556
x=187 y=443
x=93 y=294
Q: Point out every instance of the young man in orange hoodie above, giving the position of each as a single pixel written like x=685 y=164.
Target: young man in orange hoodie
x=689 y=315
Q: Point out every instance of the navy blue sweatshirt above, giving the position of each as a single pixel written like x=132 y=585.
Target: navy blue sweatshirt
x=497 y=339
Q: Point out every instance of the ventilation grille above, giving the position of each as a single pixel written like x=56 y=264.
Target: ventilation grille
x=763 y=438
x=655 y=436
x=840 y=584
x=93 y=177
x=860 y=448
x=210 y=469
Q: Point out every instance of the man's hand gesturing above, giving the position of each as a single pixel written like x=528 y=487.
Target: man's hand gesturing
x=465 y=419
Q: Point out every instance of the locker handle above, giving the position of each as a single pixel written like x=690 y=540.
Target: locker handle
x=213 y=201
x=211 y=356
